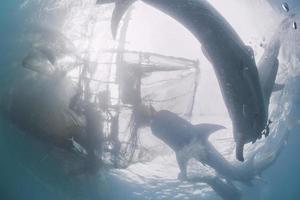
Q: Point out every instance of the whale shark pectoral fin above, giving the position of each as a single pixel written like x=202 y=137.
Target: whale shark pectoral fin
x=277 y=87
x=205 y=130
x=239 y=151
x=121 y=6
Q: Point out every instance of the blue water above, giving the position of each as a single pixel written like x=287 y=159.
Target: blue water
x=284 y=176
x=45 y=180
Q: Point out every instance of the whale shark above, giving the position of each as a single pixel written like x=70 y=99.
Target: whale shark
x=191 y=141
x=182 y=137
x=232 y=60
x=268 y=64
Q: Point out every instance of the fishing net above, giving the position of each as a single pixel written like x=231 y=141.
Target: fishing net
x=108 y=75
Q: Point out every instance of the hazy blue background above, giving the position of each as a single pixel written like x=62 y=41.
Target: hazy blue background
x=17 y=183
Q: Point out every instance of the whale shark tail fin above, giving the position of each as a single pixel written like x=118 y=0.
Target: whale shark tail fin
x=205 y=130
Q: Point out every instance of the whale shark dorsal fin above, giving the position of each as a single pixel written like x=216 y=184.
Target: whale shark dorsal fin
x=277 y=87
x=205 y=130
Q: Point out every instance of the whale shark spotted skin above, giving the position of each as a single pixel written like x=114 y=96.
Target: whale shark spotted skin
x=232 y=60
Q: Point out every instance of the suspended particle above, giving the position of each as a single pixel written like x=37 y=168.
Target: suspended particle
x=285 y=7
x=295 y=26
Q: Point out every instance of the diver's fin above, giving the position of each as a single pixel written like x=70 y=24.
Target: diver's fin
x=120 y=9
x=204 y=130
x=239 y=151
x=278 y=87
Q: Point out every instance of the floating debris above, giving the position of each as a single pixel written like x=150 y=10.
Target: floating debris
x=285 y=7
x=295 y=26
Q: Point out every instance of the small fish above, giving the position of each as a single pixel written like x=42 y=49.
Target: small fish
x=285 y=7
x=295 y=26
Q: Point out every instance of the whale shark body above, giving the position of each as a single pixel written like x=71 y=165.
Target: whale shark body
x=269 y=63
